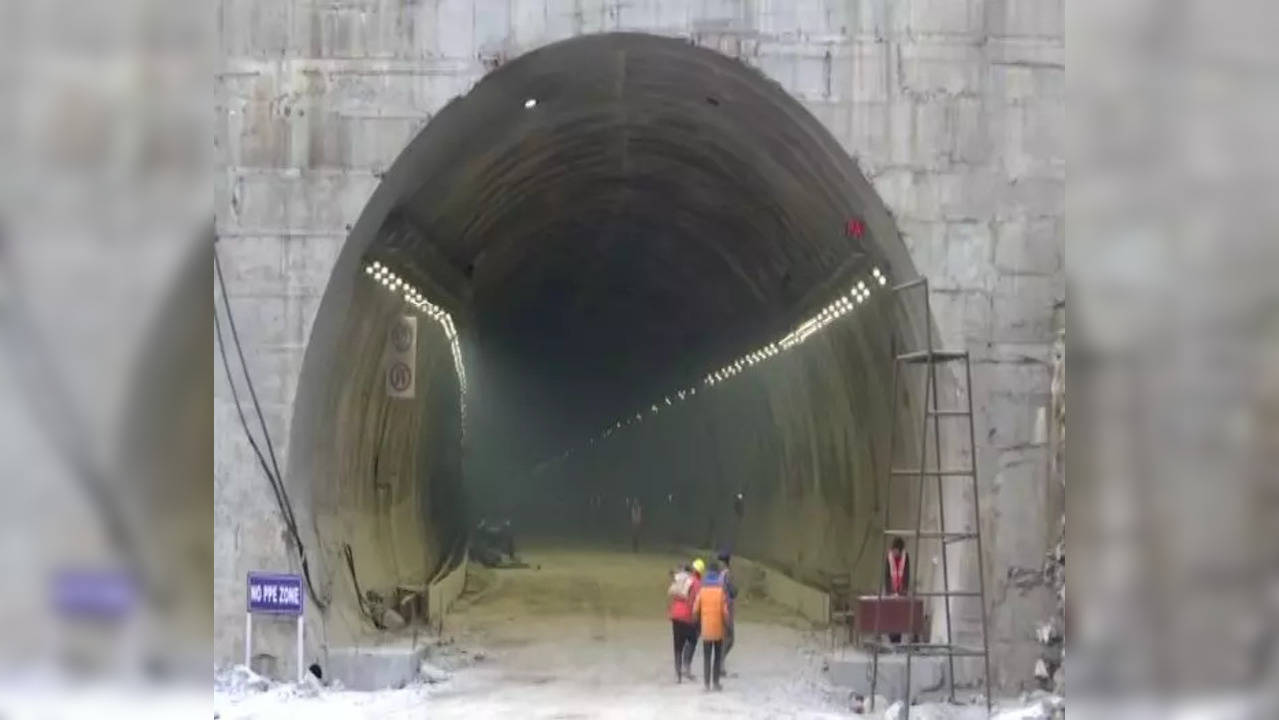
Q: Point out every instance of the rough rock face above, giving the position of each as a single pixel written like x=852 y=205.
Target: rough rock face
x=1052 y=633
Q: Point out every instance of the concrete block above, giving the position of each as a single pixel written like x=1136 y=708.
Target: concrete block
x=821 y=17
x=854 y=670
x=945 y=16
x=529 y=21
x=356 y=32
x=969 y=135
x=861 y=72
x=1029 y=139
x=1026 y=51
x=901 y=128
x=1032 y=196
x=968 y=193
x=256 y=29
x=1011 y=419
x=930 y=141
x=926 y=240
x=812 y=76
x=1017 y=508
x=1036 y=18
x=253 y=265
x=963 y=317
x=492 y=33
x=285 y=201
x=866 y=135
x=940 y=67
x=374 y=668
x=1024 y=307
x=969 y=251
x=326 y=141
x=455 y=28
x=1018 y=83
x=1030 y=245
x=375 y=143
x=869 y=17
x=261 y=319
x=309 y=261
x=650 y=15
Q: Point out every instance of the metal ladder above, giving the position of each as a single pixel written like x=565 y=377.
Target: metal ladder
x=930 y=358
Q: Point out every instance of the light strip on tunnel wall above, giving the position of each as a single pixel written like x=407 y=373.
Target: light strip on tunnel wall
x=857 y=294
x=395 y=284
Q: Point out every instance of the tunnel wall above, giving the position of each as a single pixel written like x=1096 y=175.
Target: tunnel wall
x=387 y=477
x=954 y=112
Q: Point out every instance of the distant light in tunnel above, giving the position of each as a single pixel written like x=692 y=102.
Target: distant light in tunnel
x=839 y=307
x=530 y=103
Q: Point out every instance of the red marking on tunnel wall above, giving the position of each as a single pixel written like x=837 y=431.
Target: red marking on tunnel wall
x=855 y=228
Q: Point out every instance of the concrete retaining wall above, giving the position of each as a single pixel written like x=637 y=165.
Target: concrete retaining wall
x=755 y=577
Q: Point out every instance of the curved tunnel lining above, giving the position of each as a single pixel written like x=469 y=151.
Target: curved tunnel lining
x=447 y=149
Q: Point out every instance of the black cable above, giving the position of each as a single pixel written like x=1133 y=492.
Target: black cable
x=277 y=485
x=235 y=396
x=235 y=337
x=359 y=594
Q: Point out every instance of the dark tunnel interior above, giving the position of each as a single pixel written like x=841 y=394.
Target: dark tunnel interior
x=608 y=220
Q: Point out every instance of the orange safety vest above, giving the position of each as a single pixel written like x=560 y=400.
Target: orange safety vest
x=709 y=606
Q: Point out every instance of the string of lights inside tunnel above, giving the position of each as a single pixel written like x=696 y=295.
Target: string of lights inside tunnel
x=842 y=305
x=398 y=285
x=839 y=307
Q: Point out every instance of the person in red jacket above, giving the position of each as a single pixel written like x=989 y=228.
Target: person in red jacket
x=683 y=593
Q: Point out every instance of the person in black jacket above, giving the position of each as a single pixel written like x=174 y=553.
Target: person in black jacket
x=730 y=589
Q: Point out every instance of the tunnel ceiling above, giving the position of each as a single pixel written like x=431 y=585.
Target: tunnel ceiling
x=659 y=209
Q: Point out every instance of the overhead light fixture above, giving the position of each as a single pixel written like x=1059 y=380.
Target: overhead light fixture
x=530 y=103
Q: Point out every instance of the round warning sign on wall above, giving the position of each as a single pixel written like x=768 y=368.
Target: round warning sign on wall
x=401 y=357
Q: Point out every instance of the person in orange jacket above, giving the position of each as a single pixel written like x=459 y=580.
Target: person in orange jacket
x=711 y=606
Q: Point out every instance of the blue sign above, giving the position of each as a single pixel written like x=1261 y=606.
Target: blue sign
x=94 y=593
x=275 y=593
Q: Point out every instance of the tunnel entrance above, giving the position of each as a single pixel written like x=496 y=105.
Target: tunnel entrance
x=643 y=273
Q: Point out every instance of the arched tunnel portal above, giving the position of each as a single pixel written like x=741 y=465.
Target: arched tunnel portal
x=610 y=223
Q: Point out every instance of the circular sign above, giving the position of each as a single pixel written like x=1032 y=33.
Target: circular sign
x=402 y=336
x=400 y=376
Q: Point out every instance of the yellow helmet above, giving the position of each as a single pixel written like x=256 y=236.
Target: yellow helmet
x=699 y=566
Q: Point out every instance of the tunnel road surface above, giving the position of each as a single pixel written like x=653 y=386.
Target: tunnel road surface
x=583 y=633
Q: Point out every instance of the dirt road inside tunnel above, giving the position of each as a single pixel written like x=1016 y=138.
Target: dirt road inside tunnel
x=583 y=633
